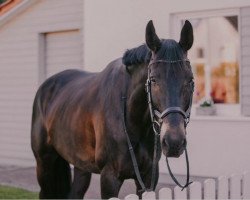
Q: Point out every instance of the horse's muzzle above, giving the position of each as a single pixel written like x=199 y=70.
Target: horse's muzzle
x=174 y=149
x=173 y=141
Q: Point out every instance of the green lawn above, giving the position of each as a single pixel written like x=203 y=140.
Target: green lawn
x=7 y=192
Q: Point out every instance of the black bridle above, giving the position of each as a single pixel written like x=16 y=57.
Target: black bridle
x=157 y=117
x=156 y=120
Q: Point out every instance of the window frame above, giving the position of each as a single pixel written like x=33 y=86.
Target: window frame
x=175 y=27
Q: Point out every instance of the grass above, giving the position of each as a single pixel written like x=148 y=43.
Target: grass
x=7 y=192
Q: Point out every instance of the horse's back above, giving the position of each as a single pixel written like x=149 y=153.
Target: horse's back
x=47 y=93
x=53 y=86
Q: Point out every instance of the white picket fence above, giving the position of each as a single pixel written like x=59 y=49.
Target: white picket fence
x=235 y=186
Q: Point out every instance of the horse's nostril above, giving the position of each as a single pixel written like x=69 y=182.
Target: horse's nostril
x=165 y=142
x=175 y=143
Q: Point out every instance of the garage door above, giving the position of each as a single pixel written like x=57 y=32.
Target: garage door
x=63 y=50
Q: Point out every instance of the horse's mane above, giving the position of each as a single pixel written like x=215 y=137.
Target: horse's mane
x=170 y=50
x=136 y=55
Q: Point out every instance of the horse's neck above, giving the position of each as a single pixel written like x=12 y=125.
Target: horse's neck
x=137 y=106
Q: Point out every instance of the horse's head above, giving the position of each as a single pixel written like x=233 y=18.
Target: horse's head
x=170 y=81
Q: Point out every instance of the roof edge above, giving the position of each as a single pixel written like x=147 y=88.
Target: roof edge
x=15 y=11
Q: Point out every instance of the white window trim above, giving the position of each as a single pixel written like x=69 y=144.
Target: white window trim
x=175 y=27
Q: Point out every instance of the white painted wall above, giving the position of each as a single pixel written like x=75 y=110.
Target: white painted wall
x=197 y=5
x=19 y=63
x=112 y=26
x=62 y=51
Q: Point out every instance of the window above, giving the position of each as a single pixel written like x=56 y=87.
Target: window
x=214 y=57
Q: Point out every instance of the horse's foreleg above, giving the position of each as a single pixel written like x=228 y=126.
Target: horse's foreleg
x=110 y=183
x=80 y=184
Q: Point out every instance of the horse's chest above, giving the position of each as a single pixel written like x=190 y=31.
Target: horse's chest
x=143 y=160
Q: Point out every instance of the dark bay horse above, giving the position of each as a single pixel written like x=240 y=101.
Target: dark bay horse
x=78 y=118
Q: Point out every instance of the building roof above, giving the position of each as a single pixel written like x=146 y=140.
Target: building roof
x=8 y=5
x=11 y=8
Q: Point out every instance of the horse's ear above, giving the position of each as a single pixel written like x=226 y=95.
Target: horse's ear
x=187 y=38
x=152 y=40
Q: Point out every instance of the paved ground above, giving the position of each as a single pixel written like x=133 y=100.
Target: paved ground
x=19 y=177
x=26 y=178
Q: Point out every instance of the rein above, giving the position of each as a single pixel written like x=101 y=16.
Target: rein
x=156 y=120
x=132 y=154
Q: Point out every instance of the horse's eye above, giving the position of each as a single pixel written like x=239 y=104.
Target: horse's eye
x=152 y=79
x=192 y=83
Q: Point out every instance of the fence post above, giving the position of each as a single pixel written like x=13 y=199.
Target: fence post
x=223 y=187
x=195 y=190
x=165 y=193
x=209 y=189
x=178 y=194
x=246 y=185
x=235 y=186
x=131 y=197
x=148 y=195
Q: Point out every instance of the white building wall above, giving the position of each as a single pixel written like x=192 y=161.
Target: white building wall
x=112 y=26
x=245 y=60
x=62 y=51
x=19 y=63
x=216 y=145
